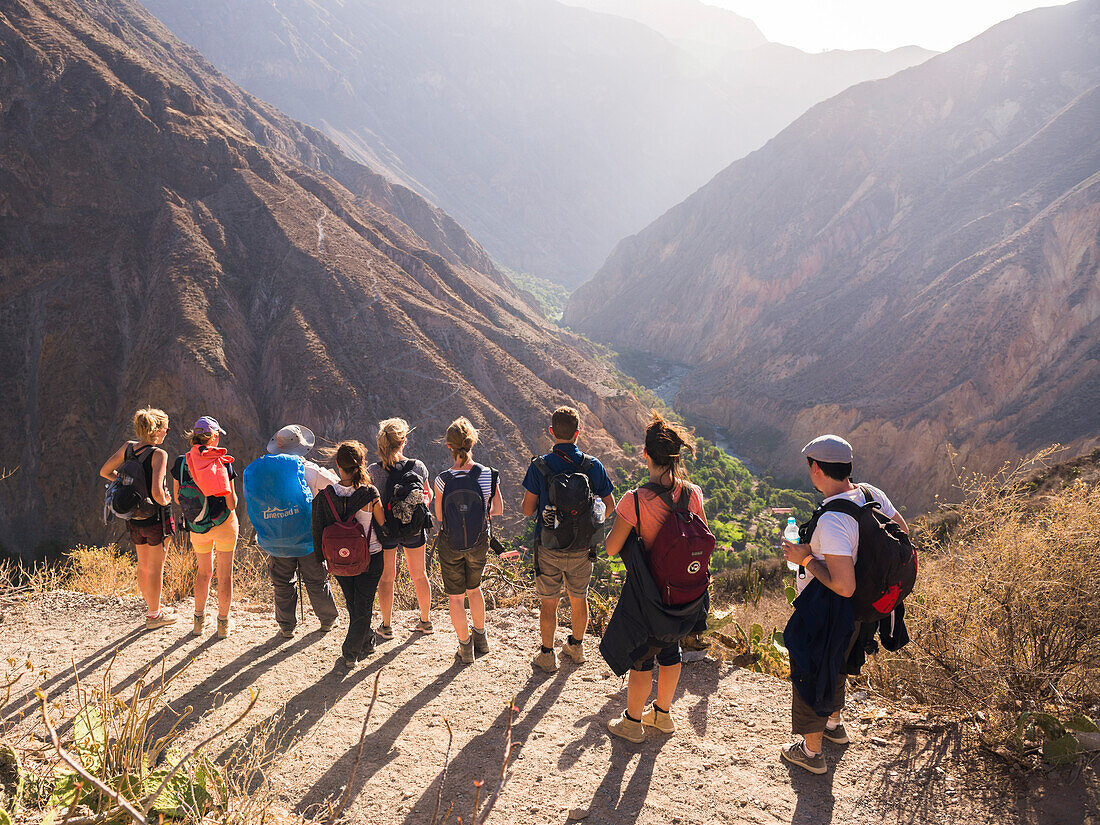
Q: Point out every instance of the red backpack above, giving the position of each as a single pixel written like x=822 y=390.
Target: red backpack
x=680 y=556
x=344 y=545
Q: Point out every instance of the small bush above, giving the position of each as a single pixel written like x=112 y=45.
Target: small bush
x=1006 y=617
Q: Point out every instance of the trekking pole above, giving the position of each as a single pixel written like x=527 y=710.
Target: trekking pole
x=301 y=598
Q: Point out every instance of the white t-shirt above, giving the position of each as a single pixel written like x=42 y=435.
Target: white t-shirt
x=318 y=478
x=364 y=517
x=837 y=534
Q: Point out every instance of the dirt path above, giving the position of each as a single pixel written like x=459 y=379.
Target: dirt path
x=720 y=767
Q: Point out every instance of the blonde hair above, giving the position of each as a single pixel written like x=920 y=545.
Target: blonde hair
x=391 y=434
x=665 y=443
x=147 y=421
x=461 y=438
x=351 y=457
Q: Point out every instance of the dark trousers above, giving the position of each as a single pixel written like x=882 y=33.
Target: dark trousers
x=359 y=594
x=803 y=718
x=285 y=571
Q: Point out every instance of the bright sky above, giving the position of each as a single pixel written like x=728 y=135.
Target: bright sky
x=813 y=25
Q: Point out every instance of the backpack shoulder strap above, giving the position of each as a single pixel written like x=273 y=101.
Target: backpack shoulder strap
x=842 y=505
x=869 y=498
x=331 y=504
x=663 y=493
x=585 y=463
x=541 y=465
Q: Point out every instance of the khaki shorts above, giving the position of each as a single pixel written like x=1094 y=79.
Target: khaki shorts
x=461 y=569
x=223 y=537
x=573 y=569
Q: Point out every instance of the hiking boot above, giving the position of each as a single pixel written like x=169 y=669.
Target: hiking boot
x=659 y=719
x=481 y=641
x=627 y=729
x=574 y=652
x=367 y=649
x=545 y=660
x=796 y=755
x=384 y=632
x=165 y=616
x=224 y=626
x=286 y=632
x=326 y=626
x=200 y=621
x=838 y=736
x=465 y=652
x=423 y=627
x=344 y=663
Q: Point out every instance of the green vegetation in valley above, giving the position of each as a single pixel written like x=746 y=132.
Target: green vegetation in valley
x=549 y=296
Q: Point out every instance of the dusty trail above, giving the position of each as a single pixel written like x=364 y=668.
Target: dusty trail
x=720 y=767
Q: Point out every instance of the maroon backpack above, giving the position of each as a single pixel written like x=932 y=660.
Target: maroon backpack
x=680 y=555
x=345 y=547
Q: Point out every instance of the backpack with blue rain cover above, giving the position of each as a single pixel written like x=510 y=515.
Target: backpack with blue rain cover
x=280 y=504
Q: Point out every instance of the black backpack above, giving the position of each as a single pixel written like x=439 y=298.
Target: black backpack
x=569 y=521
x=886 y=562
x=403 y=502
x=465 y=511
x=128 y=495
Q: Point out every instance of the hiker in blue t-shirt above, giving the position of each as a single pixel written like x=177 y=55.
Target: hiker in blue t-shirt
x=565 y=488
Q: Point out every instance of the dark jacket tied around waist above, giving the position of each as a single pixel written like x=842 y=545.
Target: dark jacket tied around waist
x=642 y=623
x=817 y=637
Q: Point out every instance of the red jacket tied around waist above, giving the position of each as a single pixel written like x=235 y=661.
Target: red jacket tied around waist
x=207 y=468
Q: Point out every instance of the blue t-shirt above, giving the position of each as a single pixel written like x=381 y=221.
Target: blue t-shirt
x=562 y=459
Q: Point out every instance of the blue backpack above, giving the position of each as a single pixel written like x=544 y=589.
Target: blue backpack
x=280 y=505
x=465 y=511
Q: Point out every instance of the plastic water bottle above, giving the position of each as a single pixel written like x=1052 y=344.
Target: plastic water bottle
x=600 y=510
x=790 y=533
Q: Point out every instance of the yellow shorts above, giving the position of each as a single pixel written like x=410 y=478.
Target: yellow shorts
x=223 y=537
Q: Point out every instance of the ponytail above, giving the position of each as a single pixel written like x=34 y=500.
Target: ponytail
x=461 y=438
x=391 y=435
x=351 y=457
x=665 y=444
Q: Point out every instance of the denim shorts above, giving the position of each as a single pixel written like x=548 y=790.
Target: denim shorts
x=413 y=542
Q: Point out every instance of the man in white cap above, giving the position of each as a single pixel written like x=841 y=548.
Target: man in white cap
x=830 y=558
x=279 y=489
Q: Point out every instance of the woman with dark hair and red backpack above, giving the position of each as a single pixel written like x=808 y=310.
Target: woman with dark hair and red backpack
x=648 y=622
x=345 y=542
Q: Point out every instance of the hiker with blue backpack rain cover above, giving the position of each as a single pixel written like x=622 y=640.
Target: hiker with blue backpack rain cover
x=203 y=486
x=856 y=564
x=136 y=492
x=278 y=491
x=662 y=536
x=466 y=498
x=567 y=489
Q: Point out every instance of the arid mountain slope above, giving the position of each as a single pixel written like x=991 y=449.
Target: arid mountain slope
x=913 y=263
x=549 y=132
x=167 y=239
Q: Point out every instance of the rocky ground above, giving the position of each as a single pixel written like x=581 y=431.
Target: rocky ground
x=721 y=766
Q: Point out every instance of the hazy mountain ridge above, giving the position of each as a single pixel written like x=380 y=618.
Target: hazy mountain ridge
x=548 y=131
x=876 y=268
x=689 y=23
x=170 y=240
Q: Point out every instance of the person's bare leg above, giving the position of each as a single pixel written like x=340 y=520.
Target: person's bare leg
x=225 y=582
x=204 y=572
x=639 y=683
x=154 y=574
x=477 y=607
x=414 y=560
x=813 y=741
x=456 y=605
x=385 y=585
x=578 y=616
x=548 y=620
x=668 y=676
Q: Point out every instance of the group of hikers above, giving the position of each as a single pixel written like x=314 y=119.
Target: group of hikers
x=350 y=519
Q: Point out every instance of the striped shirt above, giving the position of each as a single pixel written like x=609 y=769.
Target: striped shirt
x=485 y=480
